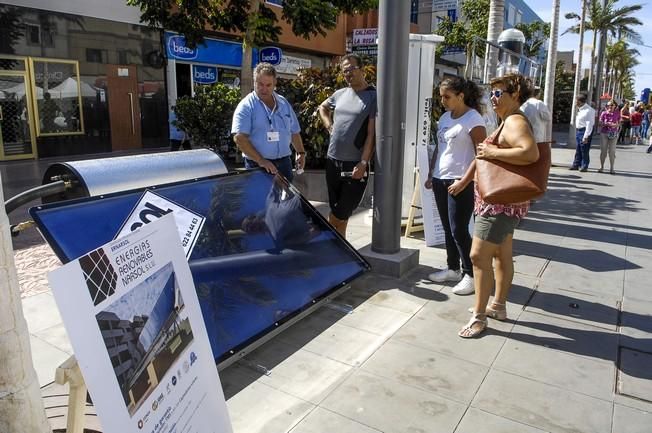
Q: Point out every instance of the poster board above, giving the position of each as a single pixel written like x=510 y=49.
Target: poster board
x=136 y=328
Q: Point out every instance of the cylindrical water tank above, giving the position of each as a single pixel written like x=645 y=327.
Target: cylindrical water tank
x=95 y=177
x=512 y=40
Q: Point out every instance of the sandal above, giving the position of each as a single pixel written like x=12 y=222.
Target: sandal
x=475 y=327
x=495 y=313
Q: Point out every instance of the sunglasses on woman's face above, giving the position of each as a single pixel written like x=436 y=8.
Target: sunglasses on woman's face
x=497 y=93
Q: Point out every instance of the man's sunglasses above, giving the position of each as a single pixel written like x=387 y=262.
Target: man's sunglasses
x=496 y=93
x=350 y=69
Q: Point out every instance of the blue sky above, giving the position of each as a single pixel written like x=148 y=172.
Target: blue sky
x=569 y=42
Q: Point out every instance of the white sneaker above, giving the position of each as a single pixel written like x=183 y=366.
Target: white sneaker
x=465 y=286
x=445 y=275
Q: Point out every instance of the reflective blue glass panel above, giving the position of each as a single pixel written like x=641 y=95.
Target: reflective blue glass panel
x=263 y=255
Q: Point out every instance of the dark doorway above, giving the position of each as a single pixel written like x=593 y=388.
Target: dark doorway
x=184 y=83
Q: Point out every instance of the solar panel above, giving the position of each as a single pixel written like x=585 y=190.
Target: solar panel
x=259 y=253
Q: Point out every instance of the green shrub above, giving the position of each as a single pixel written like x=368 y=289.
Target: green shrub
x=207 y=116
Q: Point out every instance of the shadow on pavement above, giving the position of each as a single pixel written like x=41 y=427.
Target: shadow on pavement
x=589 y=259
x=602 y=222
x=592 y=343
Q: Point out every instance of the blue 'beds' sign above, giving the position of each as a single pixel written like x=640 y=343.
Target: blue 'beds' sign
x=259 y=253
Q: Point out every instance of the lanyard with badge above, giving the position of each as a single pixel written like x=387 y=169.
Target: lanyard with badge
x=272 y=136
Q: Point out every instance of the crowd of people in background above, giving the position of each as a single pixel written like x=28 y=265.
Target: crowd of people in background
x=628 y=123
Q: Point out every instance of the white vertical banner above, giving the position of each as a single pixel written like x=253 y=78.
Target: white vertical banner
x=418 y=149
x=411 y=125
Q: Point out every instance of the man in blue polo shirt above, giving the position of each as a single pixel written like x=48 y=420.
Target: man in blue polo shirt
x=265 y=125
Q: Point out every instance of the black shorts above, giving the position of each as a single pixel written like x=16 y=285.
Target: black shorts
x=344 y=193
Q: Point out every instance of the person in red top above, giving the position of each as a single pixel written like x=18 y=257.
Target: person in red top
x=637 y=120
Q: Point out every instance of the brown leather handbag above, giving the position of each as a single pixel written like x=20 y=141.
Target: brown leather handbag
x=504 y=183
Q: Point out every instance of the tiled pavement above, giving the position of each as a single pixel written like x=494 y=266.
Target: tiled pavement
x=574 y=355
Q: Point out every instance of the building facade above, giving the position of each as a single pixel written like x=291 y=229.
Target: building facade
x=78 y=77
x=84 y=76
x=219 y=59
x=566 y=57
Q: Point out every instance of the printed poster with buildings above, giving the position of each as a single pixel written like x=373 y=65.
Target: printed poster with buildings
x=135 y=324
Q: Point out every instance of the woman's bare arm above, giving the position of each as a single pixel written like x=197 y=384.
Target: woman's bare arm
x=517 y=135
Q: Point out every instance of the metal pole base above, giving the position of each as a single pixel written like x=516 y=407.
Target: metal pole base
x=393 y=265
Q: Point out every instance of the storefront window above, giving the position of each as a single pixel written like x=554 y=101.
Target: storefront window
x=57 y=90
x=230 y=77
x=12 y=63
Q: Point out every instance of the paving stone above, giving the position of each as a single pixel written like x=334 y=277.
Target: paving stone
x=235 y=378
x=332 y=340
x=46 y=358
x=41 y=312
x=435 y=328
x=57 y=337
x=635 y=376
x=568 y=276
x=262 y=409
x=375 y=319
x=628 y=420
x=478 y=421
x=299 y=373
x=529 y=265
x=550 y=408
x=322 y=420
x=636 y=324
x=391 y=406
x=590 y=376
x=400 y=297
x=633 y=403
x=594 y=237
x=567 y=336
x=579 y=307
x=444 y=375
x=637 y=281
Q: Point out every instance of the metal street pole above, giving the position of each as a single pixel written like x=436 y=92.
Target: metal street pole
x=393 y=44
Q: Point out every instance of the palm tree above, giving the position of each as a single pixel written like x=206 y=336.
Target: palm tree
x=549 y=93
x=578 y=70
x=626 y=86
x=536 y=35
x=496 y=22
x=620 y=63
x=620 y=59
x=606 y=19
